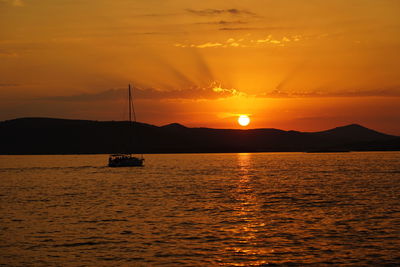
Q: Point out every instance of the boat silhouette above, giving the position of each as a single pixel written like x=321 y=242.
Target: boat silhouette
x=127 y=159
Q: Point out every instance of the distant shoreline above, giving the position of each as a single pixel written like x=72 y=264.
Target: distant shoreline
x=194 y=153
x=47 y=136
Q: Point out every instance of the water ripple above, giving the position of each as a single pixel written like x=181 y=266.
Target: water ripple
x=277 y=209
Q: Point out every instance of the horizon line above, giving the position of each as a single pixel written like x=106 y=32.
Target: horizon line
x=201 y=127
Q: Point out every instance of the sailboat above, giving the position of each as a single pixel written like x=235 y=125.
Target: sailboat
x=127 y=160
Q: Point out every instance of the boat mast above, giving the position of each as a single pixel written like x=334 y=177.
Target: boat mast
x=132 y=111
x=131 y=107
x=130 y=103
x=130 y=116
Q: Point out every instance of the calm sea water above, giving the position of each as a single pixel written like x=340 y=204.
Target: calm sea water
x=201 y=210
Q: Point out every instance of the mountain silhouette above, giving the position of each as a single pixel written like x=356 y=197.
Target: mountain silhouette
x=352 y=132
x=174 y=126
x=63 y=136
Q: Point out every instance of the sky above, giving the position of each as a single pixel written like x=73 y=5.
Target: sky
x=289 y=64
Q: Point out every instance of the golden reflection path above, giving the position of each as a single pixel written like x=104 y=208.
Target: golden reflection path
x=248 y=246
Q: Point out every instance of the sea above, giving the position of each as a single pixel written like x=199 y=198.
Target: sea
x=246 y=209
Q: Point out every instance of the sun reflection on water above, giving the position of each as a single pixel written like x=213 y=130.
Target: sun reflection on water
x=247 y=225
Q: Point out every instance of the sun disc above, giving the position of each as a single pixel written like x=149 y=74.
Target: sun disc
x=244 y=120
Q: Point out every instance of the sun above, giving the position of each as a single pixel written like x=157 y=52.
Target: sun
x=244 y=120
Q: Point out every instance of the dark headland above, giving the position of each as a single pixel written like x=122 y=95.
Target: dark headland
x=63 y=136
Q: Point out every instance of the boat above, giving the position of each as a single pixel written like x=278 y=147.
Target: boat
x=127 y=159
x=124 y=160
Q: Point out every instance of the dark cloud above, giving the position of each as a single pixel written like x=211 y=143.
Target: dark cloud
x=223 y=22
x=237 y=29
x=214 y=91
x=254 y=28
x=191 y=93
x=383 y=92
x=111 y=94
x=194 y=93
x=213 y=12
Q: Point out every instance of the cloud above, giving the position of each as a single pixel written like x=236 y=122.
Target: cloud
x=244 y=43
x=214 y=12
x=9 y=54
x=237 y=29
x=383 y=92
x=8 y=84
x=271 y=28
x=229 y=43
x=217 y=91
x=213 y=91
x=18 y=3
x=158 y=15
x=209 y=45
x=111 y=94
x=223 y=22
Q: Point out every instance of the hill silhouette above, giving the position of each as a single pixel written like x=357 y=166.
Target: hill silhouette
x=63 y=136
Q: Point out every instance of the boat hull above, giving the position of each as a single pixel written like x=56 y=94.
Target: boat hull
x=135 y=164
x=125 y=161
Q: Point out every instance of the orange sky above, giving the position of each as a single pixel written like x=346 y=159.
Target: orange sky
x=289 y=64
